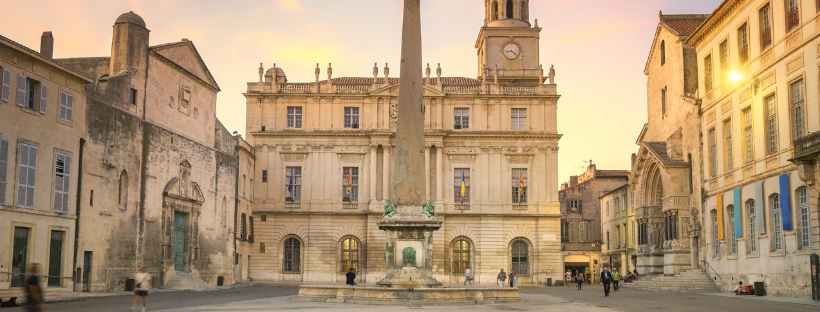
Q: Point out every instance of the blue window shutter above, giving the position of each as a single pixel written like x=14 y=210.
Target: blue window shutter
x=738 y=209
x=785 y=203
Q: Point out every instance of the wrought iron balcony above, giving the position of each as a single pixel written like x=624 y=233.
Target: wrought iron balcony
x=807 y=147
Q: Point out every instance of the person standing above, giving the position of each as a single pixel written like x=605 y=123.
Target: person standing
x=34 y=293
x=569 y=277
x=467 y=277
x=512 y=278
x=502 y=277
x=606 y=279
x=615 y=277
x=351 y=277
x=579 y=278
x=143 y=280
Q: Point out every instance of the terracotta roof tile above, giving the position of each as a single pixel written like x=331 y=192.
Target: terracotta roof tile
x=683 y=24
x=611 y=173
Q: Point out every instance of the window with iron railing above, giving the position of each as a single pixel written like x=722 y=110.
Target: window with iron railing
x=792 y=14
x=771 y=124
x=765 y=27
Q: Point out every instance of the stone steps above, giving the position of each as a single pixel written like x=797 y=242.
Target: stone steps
x=687 y=281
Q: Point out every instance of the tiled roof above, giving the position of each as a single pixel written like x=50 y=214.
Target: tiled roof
x=683 y=24
x=659 y=150
x=395 y=80
x=611 y=173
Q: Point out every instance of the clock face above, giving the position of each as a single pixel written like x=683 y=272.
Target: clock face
x=511 y=50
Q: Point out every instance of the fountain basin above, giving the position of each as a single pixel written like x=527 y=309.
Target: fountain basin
x=404 y=296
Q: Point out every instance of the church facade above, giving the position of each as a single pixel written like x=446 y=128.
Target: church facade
x=324 y=156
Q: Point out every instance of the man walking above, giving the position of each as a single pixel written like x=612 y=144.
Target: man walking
x=615 y=277
x=606 y=279
x=351 y=277
x=143 y=280
x=502 y=277
x=467 y=277
x=34 y=293
x=512 y=278
x=579 y=278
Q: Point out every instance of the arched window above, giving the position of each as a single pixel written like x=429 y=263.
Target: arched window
x=350 y=254
x=510 y=9
x=805 y=221
x=524 y=12
x=752 y=213
x=777 y=221
x=122 y=198
x=715 y=241
x=520 y=257
x=663 y=53
x=461 y=255
x=224 y=211
x=495 y=10
x=730 y=210
x=292 y=257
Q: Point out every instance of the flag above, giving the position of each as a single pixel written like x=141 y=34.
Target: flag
x=520 y=183
x=348 y=183
x=463 y=186
x=290 y=184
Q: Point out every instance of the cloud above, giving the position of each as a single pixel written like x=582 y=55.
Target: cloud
x=289 y=5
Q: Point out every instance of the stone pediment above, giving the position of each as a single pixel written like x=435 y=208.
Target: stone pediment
x=185 y=55
x=184 y=191
x=393 y=90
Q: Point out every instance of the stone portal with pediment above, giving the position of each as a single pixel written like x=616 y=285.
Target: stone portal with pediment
x=181 y=208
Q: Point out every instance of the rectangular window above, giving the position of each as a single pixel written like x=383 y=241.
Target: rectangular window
x=4 y=165
x=765 y=27
x=293 y=180
x=519 y=119
x=133 y=100
x=798 y=110
x=251 y=190
x=261 y=247
x=778 y=223
x=582 y=231
x=244 y=227
x=715 y=241
x=519 y=188
x=724 y=60
x=750 y=207
x=564 y=231
x=351 y=184
x=26 y=176
x=663 y=102
x=351 y=117
x=771 y=124
x=62 y=171
x=792 y=15
x=572 y=232
x=707 y=65
x=727 y=137
x=748 y=136
x=461 y=184
x=91 y=198
x=617 y=237
x=712 y=153
x=294 y=116
x=805 y=219
x=731 y=211
x=743 y=44
x=5 y=90
x=244 y=180
x=264 y=176
x=55 y=258
x=462 y=118
x=66 y=107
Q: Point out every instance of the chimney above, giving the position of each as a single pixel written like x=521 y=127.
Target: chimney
x=47 y=44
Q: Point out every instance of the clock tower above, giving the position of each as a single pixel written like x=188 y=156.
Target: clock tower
x=508 y=44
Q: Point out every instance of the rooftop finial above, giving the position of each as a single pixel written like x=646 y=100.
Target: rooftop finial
x=660 y=13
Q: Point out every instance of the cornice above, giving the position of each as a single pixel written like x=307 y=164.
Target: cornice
x=427 y=134
x=717 y=17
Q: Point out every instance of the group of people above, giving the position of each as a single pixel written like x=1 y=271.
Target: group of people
x=608 y=279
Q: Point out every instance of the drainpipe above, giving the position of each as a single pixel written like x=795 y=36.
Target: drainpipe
x=77 y=221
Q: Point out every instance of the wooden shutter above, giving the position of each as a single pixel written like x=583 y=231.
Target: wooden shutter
x=43 y=98
x=21 y=90
x=4 y=92
x=22 y=176
x=63 y=106
x=61 y=182
x=69 y=112
x=4 y=161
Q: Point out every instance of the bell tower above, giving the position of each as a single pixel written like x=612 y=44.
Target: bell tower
x=507 y=44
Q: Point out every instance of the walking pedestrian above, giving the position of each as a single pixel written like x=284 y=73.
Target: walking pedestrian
x=502 y=277
x=615 y=277
x=34 y=293
x=579 y=278
x=351 y=277
x=512 y=278
x=569 y=277
x=143 y=280
x=467 y=277
x=606 y=279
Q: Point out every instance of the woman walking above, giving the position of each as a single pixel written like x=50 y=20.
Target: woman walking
x=579 y=278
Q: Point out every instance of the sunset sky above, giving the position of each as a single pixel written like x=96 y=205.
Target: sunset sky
x=598 y=47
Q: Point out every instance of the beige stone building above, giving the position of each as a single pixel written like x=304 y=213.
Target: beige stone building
x=759 y=90
x=619 y=230
x=42 y=121
x=324 y=151
x=159 y=172
x=581 y=211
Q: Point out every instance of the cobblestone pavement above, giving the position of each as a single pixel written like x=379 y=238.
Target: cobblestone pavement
x=270 y=297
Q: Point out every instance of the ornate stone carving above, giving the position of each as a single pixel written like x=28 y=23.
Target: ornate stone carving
x=485 y=149
x=389 y=209
x=429 y=209
x=315 y=147
x=328 y=148
x=185 y=97
x=512 y=149
x=294 y=158
x=551 y=74
x=496 y=149
x=286 y=147
x=461 y=149
x=350 y=158
x=519 y=160
x=542 y=149
x=301 y=148
x=394 y=112
x=317 y=71
x=462 y=159
x=526 y=149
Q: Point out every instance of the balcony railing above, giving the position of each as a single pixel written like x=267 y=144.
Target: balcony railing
x=350 y=206
x=792 y=18
x=765 y=37
x=293 y=205
x=808 y=145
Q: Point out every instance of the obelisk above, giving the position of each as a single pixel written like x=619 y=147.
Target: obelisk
x=408 y=166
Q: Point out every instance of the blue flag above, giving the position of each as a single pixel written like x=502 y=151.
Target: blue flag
x=290 y=184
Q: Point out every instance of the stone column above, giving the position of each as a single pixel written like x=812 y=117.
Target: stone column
x=439 y=173
x=386 y=172
x=408 y=170
x=427 y=172
x=373 y=169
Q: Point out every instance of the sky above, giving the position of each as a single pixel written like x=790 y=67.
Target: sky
x=598 y=47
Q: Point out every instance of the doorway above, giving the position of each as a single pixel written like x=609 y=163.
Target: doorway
x=19 y=256
x=87 y=257
x=179 y=240
x=55 y=258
